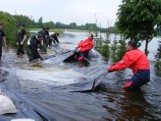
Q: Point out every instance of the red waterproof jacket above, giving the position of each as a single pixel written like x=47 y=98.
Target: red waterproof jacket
x=134 y=59
x=85 y=45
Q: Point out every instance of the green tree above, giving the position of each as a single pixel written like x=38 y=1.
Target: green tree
x=49 y=24
x=9 y=27
x=73 y=25
x=21 y=19
x=105 y=49
x=113 y=49
x=158 y=59
x=121 y=49
x=137 y=19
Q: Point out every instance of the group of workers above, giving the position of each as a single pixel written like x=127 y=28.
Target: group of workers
x=40 y=40
x=134 y=58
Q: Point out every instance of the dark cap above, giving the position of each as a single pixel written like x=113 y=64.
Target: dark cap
x=39 y=36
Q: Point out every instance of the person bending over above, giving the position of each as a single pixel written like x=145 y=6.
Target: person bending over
x=32 y=48
x=21 y=40
x=137 y=61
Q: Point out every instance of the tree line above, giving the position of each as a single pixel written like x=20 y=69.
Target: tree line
x=39 y=24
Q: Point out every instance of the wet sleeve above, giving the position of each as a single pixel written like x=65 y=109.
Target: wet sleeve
x=87 y=47
x=80 y=44
x=124 y=63
x=57 y=40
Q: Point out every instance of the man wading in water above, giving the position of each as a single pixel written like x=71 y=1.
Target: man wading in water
x=137 y=61
x=2 y=40
x=21 y=40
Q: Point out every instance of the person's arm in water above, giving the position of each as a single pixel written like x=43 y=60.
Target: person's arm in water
x=4 y=42
x=124 y=63
x=56 y=38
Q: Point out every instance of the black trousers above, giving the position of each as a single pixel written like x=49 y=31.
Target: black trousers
x=32 y=53
x=20 y=49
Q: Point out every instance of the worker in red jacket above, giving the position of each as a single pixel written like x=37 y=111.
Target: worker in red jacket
x=137 y=61
x=84 y=47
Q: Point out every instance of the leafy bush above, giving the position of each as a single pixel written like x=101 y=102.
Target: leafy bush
x=158 y=59
x=9 y=27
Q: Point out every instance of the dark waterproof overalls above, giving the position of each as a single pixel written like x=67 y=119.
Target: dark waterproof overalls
x=21 y=35
x=32 y=51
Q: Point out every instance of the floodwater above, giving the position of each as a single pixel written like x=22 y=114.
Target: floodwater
x=41 y=89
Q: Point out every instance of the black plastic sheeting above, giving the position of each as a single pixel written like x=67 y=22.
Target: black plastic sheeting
x=10 y=86
x=88 y=83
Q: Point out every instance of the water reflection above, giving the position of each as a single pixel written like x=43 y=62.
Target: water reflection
x=108 y=102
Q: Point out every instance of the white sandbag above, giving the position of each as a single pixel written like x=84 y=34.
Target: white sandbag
x=6 y=105
x=22 y=120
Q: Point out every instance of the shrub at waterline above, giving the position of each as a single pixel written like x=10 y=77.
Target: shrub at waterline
x=9 y=27
x=158 y=60
x=102 y=46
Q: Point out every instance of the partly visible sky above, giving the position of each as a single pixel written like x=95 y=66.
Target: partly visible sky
x=65 y=11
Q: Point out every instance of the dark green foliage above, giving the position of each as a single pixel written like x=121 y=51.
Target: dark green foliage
x=137 y=19
x=102 y=46
x=121 y=49
x=98 y=41
x=25 y=20
x=105 y=52
x=113 y=48
x=118 y=49
x=21 y=19
x=50 y=24
x=158 y=59
x=9 y=27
